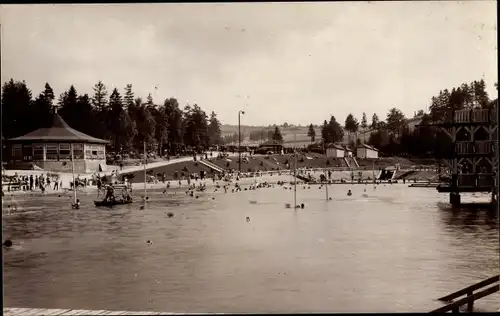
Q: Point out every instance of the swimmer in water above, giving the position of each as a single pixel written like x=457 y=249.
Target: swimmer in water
x=76 y=205
x=349 y=193
x=7 y=243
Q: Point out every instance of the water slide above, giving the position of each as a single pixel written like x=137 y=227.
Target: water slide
x=211 y=165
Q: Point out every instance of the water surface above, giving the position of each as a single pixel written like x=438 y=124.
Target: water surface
x=393 y=249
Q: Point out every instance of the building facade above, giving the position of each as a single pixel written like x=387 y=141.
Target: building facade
x=366 y=151
x=347 y=152
x=52 y=149
x=334 y=151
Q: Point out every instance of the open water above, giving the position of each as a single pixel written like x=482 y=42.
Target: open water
x=389 y=249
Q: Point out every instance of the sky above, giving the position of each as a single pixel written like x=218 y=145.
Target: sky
x=279 y=62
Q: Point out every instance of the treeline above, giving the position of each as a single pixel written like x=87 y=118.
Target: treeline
x=126 y=121
x=260 y=136
x=393 y=136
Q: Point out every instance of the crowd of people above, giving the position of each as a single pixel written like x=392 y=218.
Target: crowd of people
x=34 y=182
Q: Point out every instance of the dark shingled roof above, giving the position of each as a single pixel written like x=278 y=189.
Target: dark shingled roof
x=60 y=131
x=367 y=147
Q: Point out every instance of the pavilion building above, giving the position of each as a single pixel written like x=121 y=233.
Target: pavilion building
x=51 y=149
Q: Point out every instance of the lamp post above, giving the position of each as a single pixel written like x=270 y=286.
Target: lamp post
x=239 y=138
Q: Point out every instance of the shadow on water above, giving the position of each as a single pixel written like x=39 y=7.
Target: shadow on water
x=470 y=216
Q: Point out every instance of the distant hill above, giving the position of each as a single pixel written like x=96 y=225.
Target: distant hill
x=299 y=133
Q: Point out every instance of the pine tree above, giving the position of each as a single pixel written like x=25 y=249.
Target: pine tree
x=277 y=137
x=100 y=93
x=375 y=122
x=16 y=103
x=214 y=131
x=311 y=133
x=68 y=108
x=364 y=121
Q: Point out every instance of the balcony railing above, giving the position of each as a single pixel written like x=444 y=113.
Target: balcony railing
x=474 y=180
x=476 y=115
x=469 y=148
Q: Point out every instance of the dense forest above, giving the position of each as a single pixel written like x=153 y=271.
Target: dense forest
x=126 y=121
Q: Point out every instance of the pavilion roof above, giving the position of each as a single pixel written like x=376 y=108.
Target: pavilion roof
x=59 y=131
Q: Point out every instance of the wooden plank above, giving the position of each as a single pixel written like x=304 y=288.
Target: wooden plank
x=463 y=301
x=76 y=312
x=96 y=312
x=55 y=312
x=73 y=312
x=471 y=288
x=34 y=311
x=7 y=312
x=19 y=311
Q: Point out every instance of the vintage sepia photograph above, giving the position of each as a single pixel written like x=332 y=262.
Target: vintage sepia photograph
x=250 y=157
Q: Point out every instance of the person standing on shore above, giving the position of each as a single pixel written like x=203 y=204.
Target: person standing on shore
x=56 y=185
x=31 y=182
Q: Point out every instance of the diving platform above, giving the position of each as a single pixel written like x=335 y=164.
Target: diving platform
x=446 y=188
x=471 y=155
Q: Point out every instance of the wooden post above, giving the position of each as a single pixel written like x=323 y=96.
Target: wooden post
x=470 y=305
x=73 y=172
x=145 y=174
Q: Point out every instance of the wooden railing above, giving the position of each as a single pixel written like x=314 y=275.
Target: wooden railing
x=476 y=115
x=469 y=297
x=478 y=147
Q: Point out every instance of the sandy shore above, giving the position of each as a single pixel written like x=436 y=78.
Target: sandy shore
x=245 y=180
x=174 y=185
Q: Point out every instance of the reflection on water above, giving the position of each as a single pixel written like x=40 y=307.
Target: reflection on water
x=394 y=249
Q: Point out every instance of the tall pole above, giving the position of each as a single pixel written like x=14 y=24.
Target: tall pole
x=239 y=139
x=497 y=169
x=326 y=176
x=295 y=181
x=145 y=175
x=73 y=172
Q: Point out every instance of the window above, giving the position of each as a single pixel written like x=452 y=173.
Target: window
x=27 y=153
x=17 y=151
x=52 y=151
x=78 y=151
x=100 y=152
x=64 y=152
x=38 y=152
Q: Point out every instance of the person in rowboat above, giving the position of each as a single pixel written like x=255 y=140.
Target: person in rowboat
x=110 y=194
